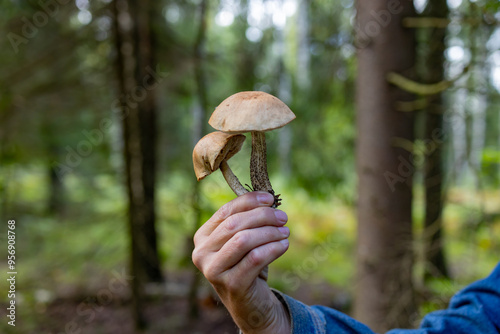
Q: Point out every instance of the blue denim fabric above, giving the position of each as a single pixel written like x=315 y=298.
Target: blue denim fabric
x=475 y=309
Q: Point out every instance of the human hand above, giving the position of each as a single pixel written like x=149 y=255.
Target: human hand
x=231 y=250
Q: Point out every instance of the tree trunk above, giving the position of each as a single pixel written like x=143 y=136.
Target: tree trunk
x=55 y=199
x=198 y=129
x=55 y=180
x=303 y=52
x=55 y=203
x=284 y=93
x=134 y=45
x=384 y=296
x=142 y=13
x=435 y=263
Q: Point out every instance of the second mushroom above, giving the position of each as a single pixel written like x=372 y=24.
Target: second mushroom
x=212 y=152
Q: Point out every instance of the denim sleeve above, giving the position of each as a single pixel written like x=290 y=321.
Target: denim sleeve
x=475 y=309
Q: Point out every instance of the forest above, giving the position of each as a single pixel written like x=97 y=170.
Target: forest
x=390 y=173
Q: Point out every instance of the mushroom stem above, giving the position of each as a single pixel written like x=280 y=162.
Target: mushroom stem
x=258 y=166
x=259 y=176
x=258 y=163
x=231 y=179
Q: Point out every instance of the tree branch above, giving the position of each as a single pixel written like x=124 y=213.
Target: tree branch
x=421 y=88
x=439 y=22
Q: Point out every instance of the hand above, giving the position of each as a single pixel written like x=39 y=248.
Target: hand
x=232 y=248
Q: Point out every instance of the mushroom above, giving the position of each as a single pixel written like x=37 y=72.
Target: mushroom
x=212 y=152
x=255 y=112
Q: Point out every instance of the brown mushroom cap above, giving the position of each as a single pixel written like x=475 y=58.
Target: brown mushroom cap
x=251 y=111
x=214 y=148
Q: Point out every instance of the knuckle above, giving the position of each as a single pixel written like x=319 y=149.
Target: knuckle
x=232 y=286
x=213 y=276
x=210 y=275
x=196 y=238
x=240 y=239
x=225 y=211
x=276 y=249
x=197 y=258
x=231 y=224
x=255 y=257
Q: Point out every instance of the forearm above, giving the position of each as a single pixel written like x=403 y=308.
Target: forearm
x=476 y=309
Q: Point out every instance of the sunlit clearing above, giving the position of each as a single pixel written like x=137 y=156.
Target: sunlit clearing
x=256 y=14
x=495 y=78
x=172 y=13
x=253 y=34
x=224 y=18
x=261 y=12
x=494 y=59
x=494 y=41
x=453 y=4
x=420 y=5
x=82 y=4
x=289 y=7
x=279 y=19
x=84 y=17
x=104 y=23
x=455 y=53
x=347 y=3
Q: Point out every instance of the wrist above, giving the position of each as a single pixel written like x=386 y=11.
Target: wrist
x=268 y=320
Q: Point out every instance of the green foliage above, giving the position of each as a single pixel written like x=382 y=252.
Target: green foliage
x=490 y=166
x=60 y=86
x=492 y=6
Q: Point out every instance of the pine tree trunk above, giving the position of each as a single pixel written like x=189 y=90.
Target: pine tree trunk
x=435 y=263
x=198 y=129
x=144 y=44
x=135 y=62
x=303 y=52
x=384 y=296
x=55 y=203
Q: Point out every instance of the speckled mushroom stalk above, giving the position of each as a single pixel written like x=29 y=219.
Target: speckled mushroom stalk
x=231 y=179
x=258 y=166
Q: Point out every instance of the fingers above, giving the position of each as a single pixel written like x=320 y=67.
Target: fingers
x=242 y=203
x=252 y=263
x=240 y=239
x=245 y=242
x=243 y=221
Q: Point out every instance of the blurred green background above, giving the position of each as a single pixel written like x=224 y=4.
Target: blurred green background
x=59 y=84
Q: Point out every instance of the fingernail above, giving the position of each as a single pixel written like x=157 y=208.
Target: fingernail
x=284 y=230
x=281 y=216
x=265 y=198
x=284 y=242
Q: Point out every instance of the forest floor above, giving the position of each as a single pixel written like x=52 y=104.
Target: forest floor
x=66 y=262
x=166 y=312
